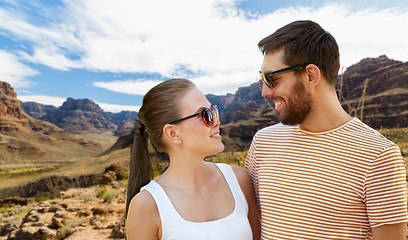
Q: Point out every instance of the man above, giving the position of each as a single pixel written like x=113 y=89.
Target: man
x=320 y=173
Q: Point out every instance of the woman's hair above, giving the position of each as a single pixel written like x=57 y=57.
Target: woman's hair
x=160 y=106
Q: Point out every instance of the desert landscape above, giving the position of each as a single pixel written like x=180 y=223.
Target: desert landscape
x=63 y=171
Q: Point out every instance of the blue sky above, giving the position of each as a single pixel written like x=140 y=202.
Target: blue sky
x=112 y=52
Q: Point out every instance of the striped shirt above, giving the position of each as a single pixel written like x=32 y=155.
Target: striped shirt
x=336 y=184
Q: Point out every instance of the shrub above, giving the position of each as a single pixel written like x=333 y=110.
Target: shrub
x=107 y=195
x=86 y=196
x=67 y=229
x=101 y=193
x=42 y=198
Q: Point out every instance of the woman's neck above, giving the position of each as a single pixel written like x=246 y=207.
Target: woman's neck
x=186 y=171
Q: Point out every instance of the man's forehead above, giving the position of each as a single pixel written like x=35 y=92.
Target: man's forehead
x=272 y=62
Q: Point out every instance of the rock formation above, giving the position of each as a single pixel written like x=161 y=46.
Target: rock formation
x=37 y=110
x=125 y=120
x=82 y=115
x=96 y=213
x=23 y=137
x=9 y=104
x=376 y=90
x=78 y=115
x=73 y=213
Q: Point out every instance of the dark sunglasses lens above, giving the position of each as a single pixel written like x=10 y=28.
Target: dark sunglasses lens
x=215 y=111
x=267 y=80
x=208 y=117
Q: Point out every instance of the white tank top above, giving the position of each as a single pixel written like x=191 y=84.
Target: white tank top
x=234 y=226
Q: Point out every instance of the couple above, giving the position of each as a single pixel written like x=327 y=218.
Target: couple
x=320 y=174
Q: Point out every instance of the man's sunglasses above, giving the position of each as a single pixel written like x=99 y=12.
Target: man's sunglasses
x=267 y=77
x=207 y=115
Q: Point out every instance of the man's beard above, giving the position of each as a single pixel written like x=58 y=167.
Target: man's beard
x=297 y=107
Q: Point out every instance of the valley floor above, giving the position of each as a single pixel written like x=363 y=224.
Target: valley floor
x=89 y=213
x=81 y=213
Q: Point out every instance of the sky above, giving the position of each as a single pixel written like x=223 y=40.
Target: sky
x=114 y=51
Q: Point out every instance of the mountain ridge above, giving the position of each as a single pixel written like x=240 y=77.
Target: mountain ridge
x=374 y=89
x=82 y=115
x=24 y=138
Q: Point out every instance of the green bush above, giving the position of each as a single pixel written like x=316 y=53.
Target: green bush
x=101 y=193
x=66 y=230
x=86 y=196
x=42 y=198
x=107 y=194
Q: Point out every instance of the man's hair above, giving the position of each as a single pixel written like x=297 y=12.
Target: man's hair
x=305 y=42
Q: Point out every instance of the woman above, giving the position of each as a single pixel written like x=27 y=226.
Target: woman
x=192 y=199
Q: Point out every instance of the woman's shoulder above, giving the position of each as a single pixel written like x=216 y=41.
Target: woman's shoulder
x=143 y=215
x=143 y=203
x=240 y=172
x=143 y=198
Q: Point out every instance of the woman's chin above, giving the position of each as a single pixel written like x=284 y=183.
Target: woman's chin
x=221 y=148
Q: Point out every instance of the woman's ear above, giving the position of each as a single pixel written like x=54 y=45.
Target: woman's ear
x=170 y=133
x=314 y=75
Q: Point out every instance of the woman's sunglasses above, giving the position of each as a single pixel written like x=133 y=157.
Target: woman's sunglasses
x=207 y=115
x=267 y=77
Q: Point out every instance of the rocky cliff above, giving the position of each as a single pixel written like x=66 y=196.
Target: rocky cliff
x=23 y=137
x=78 y=115
x=82 y=115
x=376 y=90
x=37 y=110
x=125 y=120
x=9 y=105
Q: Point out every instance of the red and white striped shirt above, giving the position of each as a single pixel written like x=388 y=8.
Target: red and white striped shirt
x=336 y=184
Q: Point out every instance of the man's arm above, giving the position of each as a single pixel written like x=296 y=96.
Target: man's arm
x=250 y=166
x=390 y=231
x=386 y=195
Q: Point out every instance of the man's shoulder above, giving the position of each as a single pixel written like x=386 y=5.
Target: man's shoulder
x=278 y=128
x=365 y=133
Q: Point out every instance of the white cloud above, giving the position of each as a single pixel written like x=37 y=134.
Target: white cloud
x=210 y=42
x=118 y=108
x=49 y=57
x=220 y=84
x=46 y=100
x=136 y=87
x=51 y=42
x=14 y=72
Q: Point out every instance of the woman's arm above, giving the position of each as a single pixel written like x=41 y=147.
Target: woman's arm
x=253 y=213
x=143 y=220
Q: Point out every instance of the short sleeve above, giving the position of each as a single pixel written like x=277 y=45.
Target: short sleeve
x=386 y=189
x=251 y=166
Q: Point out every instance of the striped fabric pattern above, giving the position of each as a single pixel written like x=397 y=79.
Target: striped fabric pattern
x=336 y=184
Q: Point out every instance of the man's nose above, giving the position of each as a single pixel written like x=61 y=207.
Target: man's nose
x=266 y=91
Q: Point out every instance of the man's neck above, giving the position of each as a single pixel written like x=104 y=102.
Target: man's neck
x=326 y=114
